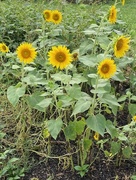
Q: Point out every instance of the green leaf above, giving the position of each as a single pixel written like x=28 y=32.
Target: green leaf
x=115 y=147
x=64 y=78
x=111 y=129
x=45 y=103
x=103 y=41
x=119 y=76
x=87 y=144
x=103 y=86
x=65 y=100
x=70 y=131
x=32 y=79
x=14 y=93
x=77 y=79
x=122 y=136
x=111 y=101
x=132 y=109
x=97 y=123
x=88 y=60
x=85 y=47
x=54 y=127
x=133 y=98
x=82 y=105
x=35 y=99
x=79 y=125
x=74 y=91
x=133 y=177
x=2 y=134
x=122 y=98
x=127 y=152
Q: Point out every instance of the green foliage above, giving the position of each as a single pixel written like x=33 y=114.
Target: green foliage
x=10 y=168
x=82 y=170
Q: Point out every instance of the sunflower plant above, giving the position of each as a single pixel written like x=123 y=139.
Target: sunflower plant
x=72 y=85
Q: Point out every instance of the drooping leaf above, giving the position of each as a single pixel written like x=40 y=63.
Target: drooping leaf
x=111 y=129
x=54 y=127
x=14 y=93
x=97 y=123
x=111 y=100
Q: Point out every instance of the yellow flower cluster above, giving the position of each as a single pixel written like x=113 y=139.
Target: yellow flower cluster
x=54 y=16
x=107 y=68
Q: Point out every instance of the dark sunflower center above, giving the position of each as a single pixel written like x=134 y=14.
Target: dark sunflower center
x=60 y=57
x=56 y=17
x=75 y=55
x=25 y=53
x=4 y=48
x=119 y=44
x=112 y=14
x=105 y=68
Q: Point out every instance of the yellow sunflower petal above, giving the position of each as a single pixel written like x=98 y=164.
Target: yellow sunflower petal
x=96 y=136
x=112 y=15
x=121 y=46
x=56 y=16
x=134 y=118
x=106 y=68
x=60 y=57
x=4 y=48
x=123 y=2
x=26 y=53
x=47 y=14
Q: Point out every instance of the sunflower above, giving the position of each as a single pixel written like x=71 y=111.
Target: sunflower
x=96 y=136
x=106 y=69
x=47 y=14
x=56 y=16
x=112 y=15
x=75 y=56
x=4 y=48
x=26 y=53
x=60 y=57
x=123 y=2
x=121 y=46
